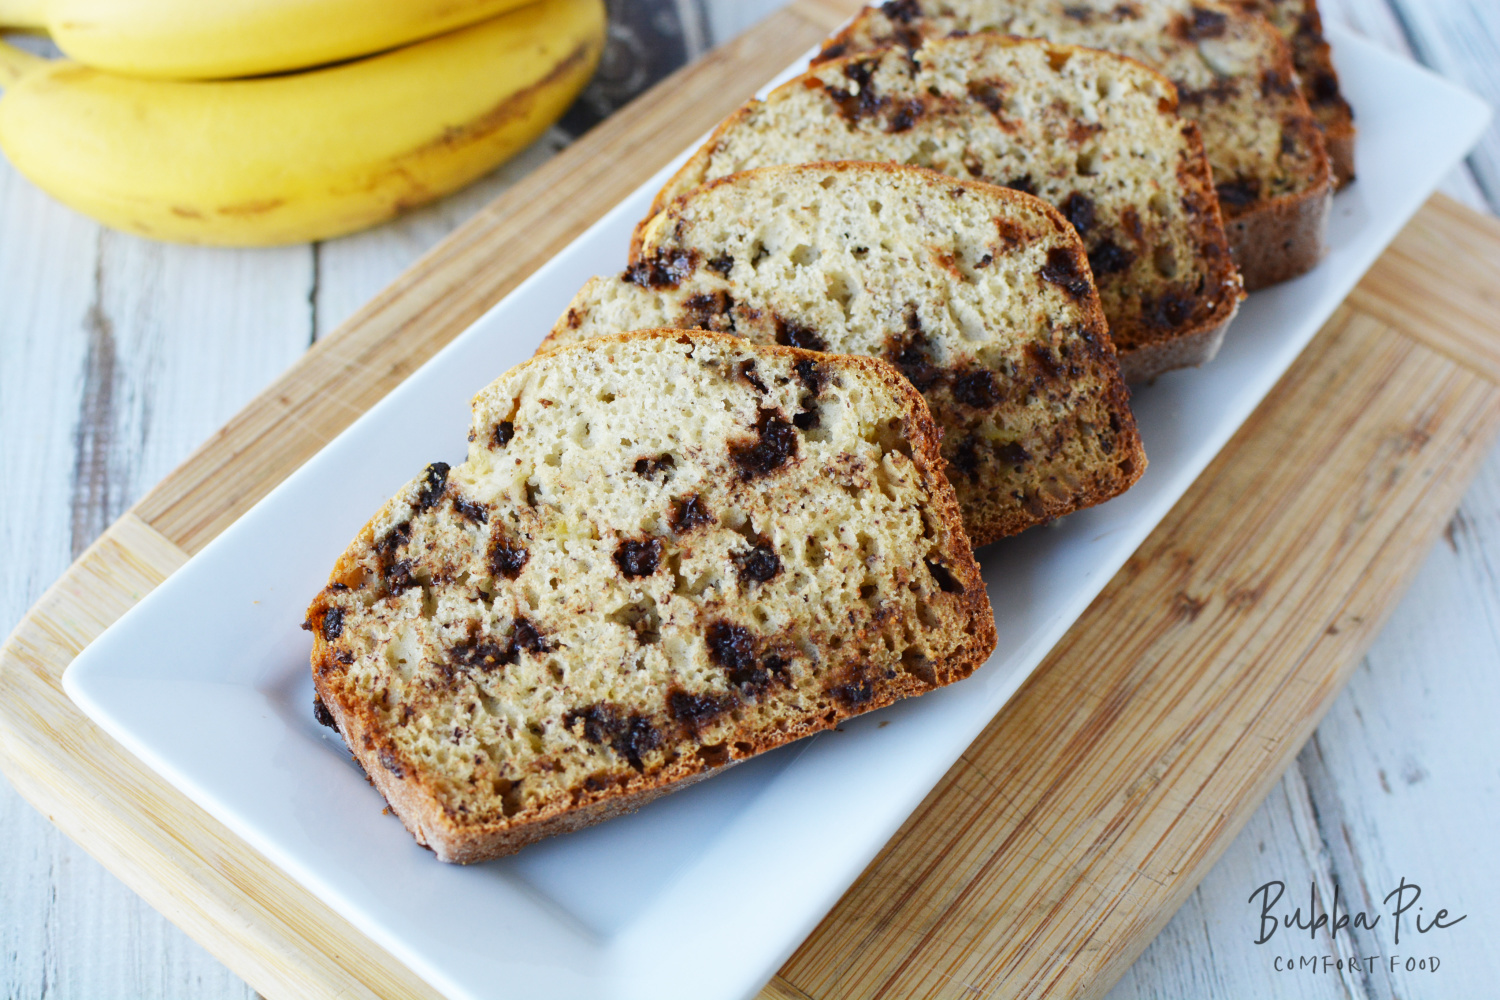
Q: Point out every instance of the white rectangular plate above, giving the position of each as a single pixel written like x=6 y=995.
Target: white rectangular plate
x=702 y=894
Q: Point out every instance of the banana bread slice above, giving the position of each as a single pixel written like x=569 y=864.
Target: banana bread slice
x=979 y=295
x=1301 y=24
x=1234 y=77
x=648 y=567
x=1095 y=134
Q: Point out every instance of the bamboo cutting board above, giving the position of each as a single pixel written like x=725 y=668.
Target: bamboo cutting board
x=1071 y=830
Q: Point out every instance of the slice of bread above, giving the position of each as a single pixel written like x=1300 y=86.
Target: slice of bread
x=647 y=568
x=1301 y=24
x=1095 y=134
x=979 y=295
x=1234 y=77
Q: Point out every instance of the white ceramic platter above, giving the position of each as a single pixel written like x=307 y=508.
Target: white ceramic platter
x=702 y=894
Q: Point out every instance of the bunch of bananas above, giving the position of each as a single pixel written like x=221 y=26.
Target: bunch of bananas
x=201 y=122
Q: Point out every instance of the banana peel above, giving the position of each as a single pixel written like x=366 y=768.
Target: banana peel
x=303 y=156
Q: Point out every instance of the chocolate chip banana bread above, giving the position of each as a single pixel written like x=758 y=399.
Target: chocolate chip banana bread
x=1301 y=25
x=981 y=296
x=665 y=552
x=1234 y=77
x=1097 y=135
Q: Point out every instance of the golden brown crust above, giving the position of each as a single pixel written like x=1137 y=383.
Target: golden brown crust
x=1284 y=237
x=1192 y=349
x=455 y=836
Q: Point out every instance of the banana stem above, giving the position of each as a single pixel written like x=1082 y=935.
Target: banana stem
x=16 y=63
x=24 y=14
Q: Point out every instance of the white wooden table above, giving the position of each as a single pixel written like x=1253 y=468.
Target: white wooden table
x=118 y=356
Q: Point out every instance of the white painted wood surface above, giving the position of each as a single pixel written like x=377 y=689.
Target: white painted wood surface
x=118 y=356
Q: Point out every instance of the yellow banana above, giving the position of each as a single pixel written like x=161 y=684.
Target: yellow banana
x=287 y=159
x=216 y=39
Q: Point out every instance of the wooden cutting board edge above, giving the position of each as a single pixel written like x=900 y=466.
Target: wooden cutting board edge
x=283 y=941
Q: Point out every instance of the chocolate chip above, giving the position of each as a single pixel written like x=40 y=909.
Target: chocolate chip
x=1078 y=209
x=809 y=418
x=904 y=11
x=391 y=762
x=664 y=269
x=472 y=509
x=759 y=564
x=790 y=333
x=1044 y=361
x=696 y=709
x=977 y=389
x=775 y=444
x=1325 y=88
x=1204 y=24
x=487 y=654
x=1239 y=193
x=748 y=372
x=853 y=695
x=598 y=722
x=321 y=713
x=506 y=558
x=1167 y=310
x=1108 y=258
x=811 y=375
x=721 y=265
x=398 y=577
x=989 y=93
x=905 y=117
x=1273 y=82
x=1023 y=184
x=524 y=636
x=651 y=468
x=966 y=459
x=435 y=484
x=394 y=539
x=708 y=311
x=333 y=624
x=638 y=738
x=1013 y=454
x=638 y=558
x=910 y=356
x=688 y=513
x=504 y=431
x=632 y=737
x=863 y=100
x=1062 y=269
x=946 y=581
x=483 y=655
x=731 y=647
x=1222 y=89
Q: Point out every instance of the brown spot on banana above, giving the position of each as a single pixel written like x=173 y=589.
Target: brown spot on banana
x=512 y=107
x=253 y=207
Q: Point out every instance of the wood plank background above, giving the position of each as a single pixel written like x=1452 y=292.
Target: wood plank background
x=120 y=356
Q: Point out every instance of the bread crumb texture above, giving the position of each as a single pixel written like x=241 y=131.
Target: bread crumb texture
x=664 y=553
x=1232 y=70
x=1094 y=134
x=980 y=296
